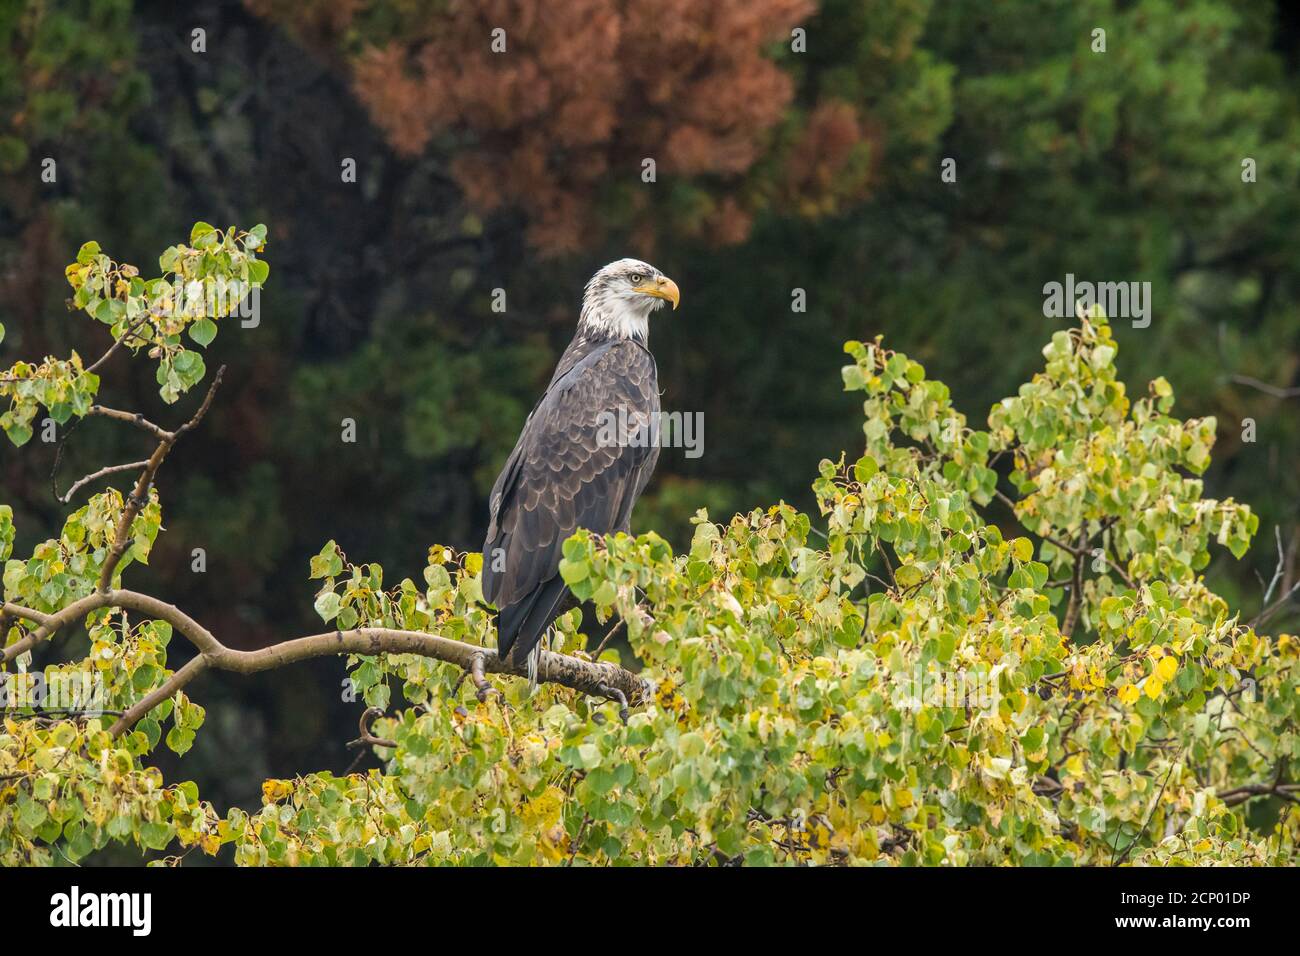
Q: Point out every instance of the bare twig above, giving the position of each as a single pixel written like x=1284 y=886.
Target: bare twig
x=1124 y=575
x=1282 y=574
x=1281 y=565
x=1055 y=542
x=139 y=496
x=1286 y=791
x=577 y=840
x=112 y=349
x=609 y=634
x=1150 y=813
x=102 y=473
x=1265 y=614
x=1274 y=390
x=889 y=568
x=367 y=739
x=1240 y=795
x=1076 y=588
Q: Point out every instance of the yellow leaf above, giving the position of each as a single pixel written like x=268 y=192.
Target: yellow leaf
x=1128 y=694
x=276 y=790
x=1153 y=687
x=1166 y=667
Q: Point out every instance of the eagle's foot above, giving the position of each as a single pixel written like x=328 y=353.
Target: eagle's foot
x=480 y=681
x=613 y=693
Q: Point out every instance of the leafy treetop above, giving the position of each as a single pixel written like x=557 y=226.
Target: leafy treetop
x=903 y=677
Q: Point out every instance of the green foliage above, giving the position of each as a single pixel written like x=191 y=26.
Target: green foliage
x=895 y=679
x=1122 y=165
x=200 y=283
x=796 y=718
x=73 y=790
x=64 y=569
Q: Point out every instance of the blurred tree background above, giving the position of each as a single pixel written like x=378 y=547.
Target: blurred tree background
x=797 y=146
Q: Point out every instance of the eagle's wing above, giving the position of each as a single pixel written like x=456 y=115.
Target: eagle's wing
x=565 y=474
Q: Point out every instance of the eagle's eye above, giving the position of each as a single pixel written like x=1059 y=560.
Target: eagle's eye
x=636 y=278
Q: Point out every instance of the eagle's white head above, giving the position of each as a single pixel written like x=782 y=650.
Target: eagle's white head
x=620 y=297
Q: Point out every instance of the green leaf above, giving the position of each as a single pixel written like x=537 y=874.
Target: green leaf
x=574 y=571
x=909 y=575
x=327 y=605
x=203 y=331
x=180 y=740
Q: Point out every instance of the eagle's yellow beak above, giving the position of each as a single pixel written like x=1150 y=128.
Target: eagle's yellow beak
x=661 y=288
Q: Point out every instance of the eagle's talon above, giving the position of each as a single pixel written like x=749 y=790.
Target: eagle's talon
x=481 y=682
x=613 y=693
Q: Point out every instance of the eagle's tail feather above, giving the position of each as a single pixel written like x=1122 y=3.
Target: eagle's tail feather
x=534 y=661
x=520 y=626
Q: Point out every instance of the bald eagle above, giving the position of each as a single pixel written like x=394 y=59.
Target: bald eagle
x=565 y=472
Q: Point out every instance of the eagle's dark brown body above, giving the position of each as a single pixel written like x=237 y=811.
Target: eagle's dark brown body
x=565 y=474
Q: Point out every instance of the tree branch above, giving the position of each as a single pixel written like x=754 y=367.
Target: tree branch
x=1263 y=616
x=190 y=670
x=1076 y=589
x=122 y=535
x=1274 y=390
x=131 y=418
x=102 y=473
x=597 y=678
x=367 y=739
x=1237 y=795
x=112 y=349
x=1285 y=560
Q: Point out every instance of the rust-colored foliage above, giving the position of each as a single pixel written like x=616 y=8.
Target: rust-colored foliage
x=584 y=92
x=827 y=164
x=585 y=88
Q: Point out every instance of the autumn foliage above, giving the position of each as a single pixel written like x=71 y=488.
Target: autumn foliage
x=556 y=113
x=891 y=679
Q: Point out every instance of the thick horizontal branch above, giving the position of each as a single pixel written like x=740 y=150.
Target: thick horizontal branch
x=48 y=624
x=596 y=678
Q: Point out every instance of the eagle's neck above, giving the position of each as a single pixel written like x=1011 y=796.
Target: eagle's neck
x=584 y=343
x=609 y=315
